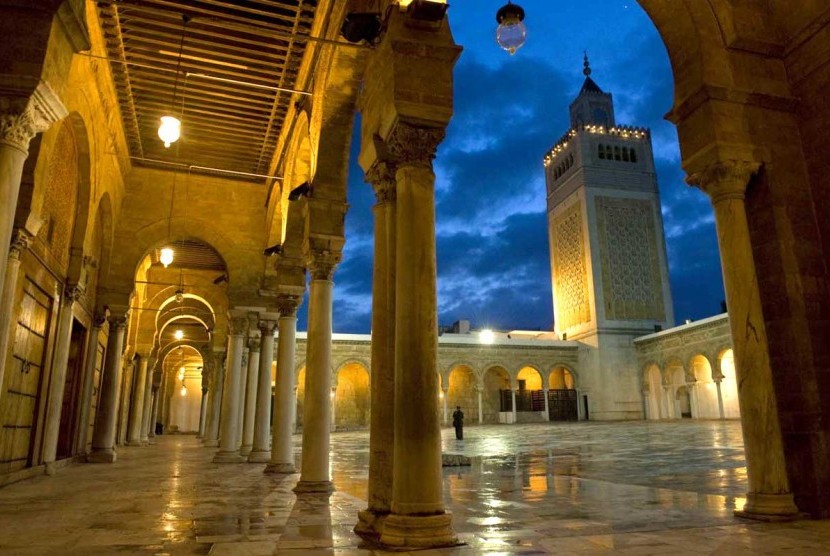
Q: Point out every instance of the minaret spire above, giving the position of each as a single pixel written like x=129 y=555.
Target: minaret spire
x=587 y=65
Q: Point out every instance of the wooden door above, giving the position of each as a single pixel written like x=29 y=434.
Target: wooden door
x=70 y=404
x=23 y=380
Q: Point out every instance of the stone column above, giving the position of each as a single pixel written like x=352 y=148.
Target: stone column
x=28 y=106
x=137 y=405
x=229 y=426
x=106 y=419
x=513 y=404
x=479 y=392
x=668 y=402
x=444 y=396
x=285 y=401
x=382 y=413
x=721 y=412
x=769 y=492
x=333 y=398
x=151 y=429
x=57 y=382
x=125 y=396
x=261 y=451
x=314 y=475
x=418 y=516
x=88 y=382
x=240 y=403
x=147 y=409
x=20 y=242
x=252 y=380
x=203 y=405
x=693 y=402
x=547 y=404
x=217 y=385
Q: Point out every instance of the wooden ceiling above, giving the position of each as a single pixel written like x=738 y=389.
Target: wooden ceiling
x=240 y=61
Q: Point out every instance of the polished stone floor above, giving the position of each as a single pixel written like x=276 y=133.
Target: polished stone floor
x=635 y=488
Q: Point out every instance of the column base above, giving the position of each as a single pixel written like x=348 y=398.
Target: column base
x=404 y=532
x=280 y=468
x=769 y=507
x=370 y=524
x=49 y=468
x=314 y=487
x=245 y=450
x=210 y=443
x=259 y=456
x=101 y=456
x=228 y=457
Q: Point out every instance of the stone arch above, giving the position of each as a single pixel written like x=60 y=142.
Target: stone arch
x=533 y=377
x=729 y=384
x=705 y=394
x=653 y=382
x=462 y=383
x=561 y=377
x=495 y=380
x=443 y=374
x=104 y=229
x=185 y=394
x=352 y=396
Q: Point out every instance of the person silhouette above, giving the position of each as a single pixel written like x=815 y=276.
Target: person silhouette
x=458 y=422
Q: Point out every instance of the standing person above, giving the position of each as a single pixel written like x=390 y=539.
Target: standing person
x=458 y=422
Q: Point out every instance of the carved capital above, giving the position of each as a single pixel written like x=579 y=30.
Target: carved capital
x=20 y=242
x=117 y=323
x=382 y=178
x=724 y=179
x=322 y=262
x=98 y=320
x=238 y=326
x=72 y=293
x=244 y=359
x=254 y=344
x=287 y=304
x=409 y=145
x=28 y=106
x=268 y=327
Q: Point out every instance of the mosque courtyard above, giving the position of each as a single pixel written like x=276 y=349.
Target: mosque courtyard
x=629 y=487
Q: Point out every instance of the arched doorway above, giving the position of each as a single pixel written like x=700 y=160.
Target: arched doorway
x=530 y=397
x=706 y=393
x=496 y=400
x=729 y=386
x=677 y=380
x=562 y=396
x=462 y=393
x=183 y=392
x=684 y=402
x=351 y=400
x=654 y=383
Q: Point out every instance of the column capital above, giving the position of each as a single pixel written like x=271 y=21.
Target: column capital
x=267 y=327
x=238 y=324
x=117 y=321
x=72 y=293
x=287 y=304
x=411 y=145
x=724 y=179
x=21 y=239
x=28 y=106
x=254 y=345
x=381 y=176
x=98 y=319
x=322 y=262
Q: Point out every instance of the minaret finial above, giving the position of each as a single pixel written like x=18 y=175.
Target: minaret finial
x=587 y=70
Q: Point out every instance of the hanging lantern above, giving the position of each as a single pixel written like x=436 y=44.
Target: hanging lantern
x=183 y=391
x=511 y=32
x=181 y=374
x=178 y=334
x=170 y=130
x=166 y=256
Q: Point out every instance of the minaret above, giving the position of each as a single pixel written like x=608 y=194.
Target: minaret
x=608 y=253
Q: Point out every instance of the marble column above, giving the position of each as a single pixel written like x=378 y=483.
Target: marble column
x=203 y=405
x=382 y=379
x=137 y=403
x=285 y=404
x=261 y=451
x=240 y=403
x=229 y=425
x=147 y=408
x=151 y=430
x=721 y=413
x=20 y=242
x=333 y=398
x=130 y=368
x=668 y=403
x=547 y=404
x=251 y=382
x=106 y=419
x=769 y=494
x=28 y=106
x=88 y=382
x=418 y=515
x=513 y=404
x=57 y=382
x=444 y=401
x=314 y=475
x=217 y=385
x=479 y=392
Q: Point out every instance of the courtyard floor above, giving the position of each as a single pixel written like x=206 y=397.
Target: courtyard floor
x=635 y=488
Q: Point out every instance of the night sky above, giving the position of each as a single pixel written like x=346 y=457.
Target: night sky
x=493 y=259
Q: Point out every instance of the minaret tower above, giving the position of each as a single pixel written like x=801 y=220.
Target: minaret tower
x=608 y=251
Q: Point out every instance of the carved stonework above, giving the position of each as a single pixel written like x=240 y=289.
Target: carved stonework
x=268 y=327
x=414 y=146
x=98 y=320
x=20 y=242
x=117 y=322
x=322 y=263
x=72 y=293
x=725 y=179
x=287 y=305
x=238 y=326
x=382 y=178
x=31 y=108
x=253 y=345
x=569 y=270
x=631 y=281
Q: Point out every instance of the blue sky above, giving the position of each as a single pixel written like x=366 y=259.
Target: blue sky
x=493 y=259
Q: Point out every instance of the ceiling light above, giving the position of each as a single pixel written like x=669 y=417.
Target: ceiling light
x=170 y=130
x=166 y=256
x=179 y=296
x=181 y=373
x=179 y=334
x=511 y=32
x=183 y=391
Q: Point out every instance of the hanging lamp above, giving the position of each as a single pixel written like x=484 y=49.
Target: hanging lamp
x=170 y=128
x=511 y=32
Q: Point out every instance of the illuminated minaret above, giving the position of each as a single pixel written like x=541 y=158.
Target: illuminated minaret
x=608 y=251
